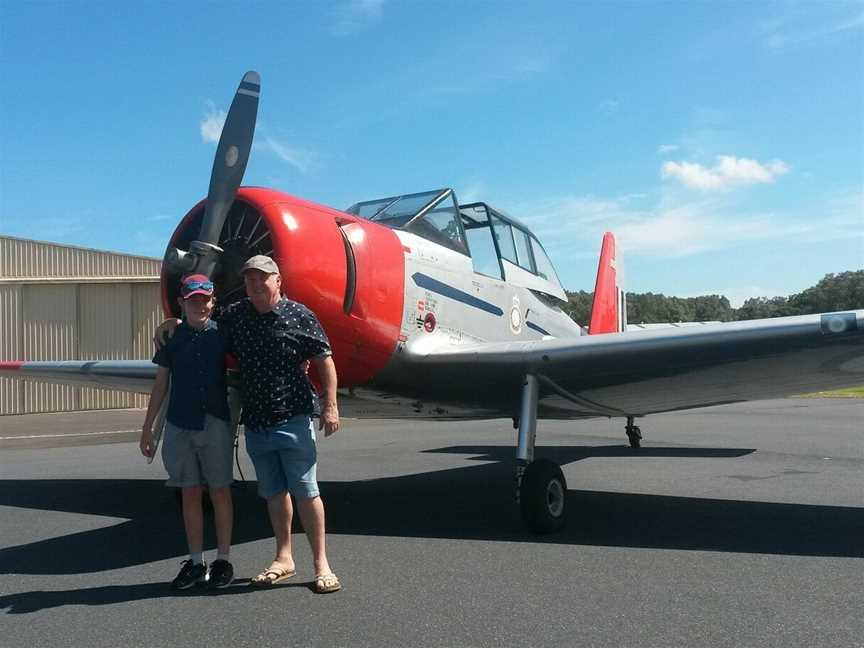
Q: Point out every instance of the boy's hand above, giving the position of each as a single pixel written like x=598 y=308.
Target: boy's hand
x=329 y=419
x=164 y=332
x=146 y=443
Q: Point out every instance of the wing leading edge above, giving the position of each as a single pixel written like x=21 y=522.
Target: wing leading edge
x=652 y=371
x=125 y=375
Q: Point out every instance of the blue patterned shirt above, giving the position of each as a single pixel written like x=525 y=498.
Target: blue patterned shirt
x=270 y=348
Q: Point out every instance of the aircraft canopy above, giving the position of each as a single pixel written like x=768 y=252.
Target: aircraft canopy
x=499 y=246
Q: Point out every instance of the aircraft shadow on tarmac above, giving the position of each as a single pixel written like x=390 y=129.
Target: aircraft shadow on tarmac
x=469 y=502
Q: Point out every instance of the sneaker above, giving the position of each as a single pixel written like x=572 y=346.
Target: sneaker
x=221 y=574
x=190 y=573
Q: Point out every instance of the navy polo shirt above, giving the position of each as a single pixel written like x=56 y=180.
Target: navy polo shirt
x=270 y=348
x=196 y=360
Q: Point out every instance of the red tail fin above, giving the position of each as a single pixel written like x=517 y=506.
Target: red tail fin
x=609 y=312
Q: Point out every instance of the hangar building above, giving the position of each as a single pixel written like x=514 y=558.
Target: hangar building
x=61 y=302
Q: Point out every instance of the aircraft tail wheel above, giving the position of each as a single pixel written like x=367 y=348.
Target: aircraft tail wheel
x=542 y=496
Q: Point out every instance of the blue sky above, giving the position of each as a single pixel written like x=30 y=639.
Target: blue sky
x=722 y=142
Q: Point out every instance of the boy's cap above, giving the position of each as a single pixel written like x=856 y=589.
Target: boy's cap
x=262 y=263
x=196 y=284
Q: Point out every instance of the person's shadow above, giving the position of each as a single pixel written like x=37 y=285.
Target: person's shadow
x=468 y=502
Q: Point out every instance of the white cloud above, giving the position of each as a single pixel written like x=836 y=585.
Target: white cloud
x=803 y=26
x=663 y=149
x=610 y=107
x=483 y=70
x=729 y=171
x=211 y=130
x=474 y=191
x=533 y=64
x=690 y=229
x=303 y=161
x=212 y=124
x=570 y=225
x=355 y=15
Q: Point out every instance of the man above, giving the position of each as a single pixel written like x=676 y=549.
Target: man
x=272 y=338
x=198 y=438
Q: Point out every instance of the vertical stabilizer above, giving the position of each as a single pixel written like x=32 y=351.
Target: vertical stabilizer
x=609 y=311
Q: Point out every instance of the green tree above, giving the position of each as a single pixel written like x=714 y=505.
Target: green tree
x=579 y=306
x=843 y=291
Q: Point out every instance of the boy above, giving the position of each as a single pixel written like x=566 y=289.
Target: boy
x=198 y=442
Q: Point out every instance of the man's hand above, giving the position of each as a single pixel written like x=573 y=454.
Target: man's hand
x=164 y=332
x=146 y=444
x=329 y=419
x=329 y=412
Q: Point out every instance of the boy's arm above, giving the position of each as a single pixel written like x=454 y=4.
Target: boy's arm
x=157 y=395
x=329 y=410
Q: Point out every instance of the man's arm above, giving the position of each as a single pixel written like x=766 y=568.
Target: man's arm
x=164 y=332
x=157 y=395
x=329 y=410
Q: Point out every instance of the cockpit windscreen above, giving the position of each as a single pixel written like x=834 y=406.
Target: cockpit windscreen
x=396 y=210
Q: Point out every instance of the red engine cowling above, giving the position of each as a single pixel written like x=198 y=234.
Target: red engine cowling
x=348 y=270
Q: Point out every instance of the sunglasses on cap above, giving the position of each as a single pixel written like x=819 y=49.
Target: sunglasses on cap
x=197 y=285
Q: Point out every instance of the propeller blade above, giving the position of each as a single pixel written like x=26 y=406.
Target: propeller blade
x=232 y=154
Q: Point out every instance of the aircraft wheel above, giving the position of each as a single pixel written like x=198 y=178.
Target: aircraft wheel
x=542 y=496
x=635 y=436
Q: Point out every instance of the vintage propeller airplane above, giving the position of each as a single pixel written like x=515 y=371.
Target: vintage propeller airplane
x=441 y=310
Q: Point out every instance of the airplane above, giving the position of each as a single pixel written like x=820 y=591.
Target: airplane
x=441 y=310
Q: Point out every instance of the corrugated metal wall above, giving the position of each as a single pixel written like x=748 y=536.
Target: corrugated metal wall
x=65 y=303
x=10 y=346
x=26 y=258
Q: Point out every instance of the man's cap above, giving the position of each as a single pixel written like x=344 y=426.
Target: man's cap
x=196 y=284
x=262 y=263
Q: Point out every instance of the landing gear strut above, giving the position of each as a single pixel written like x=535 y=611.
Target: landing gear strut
x=633 y=433
x=541 y=490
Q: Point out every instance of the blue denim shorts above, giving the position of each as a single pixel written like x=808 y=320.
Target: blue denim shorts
x=285 y=457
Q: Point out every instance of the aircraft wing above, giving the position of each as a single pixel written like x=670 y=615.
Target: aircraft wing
x=654 y=371
x=616 y=374
x=125 y=375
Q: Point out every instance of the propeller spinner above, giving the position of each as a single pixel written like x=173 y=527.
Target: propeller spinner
x=232 y=154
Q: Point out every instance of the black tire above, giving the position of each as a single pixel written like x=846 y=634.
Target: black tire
x=543 y=496
x=635 y=436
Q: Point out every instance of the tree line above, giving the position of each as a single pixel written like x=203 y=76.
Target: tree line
x=842 y=291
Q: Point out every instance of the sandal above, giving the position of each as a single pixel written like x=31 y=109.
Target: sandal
x=272 y=576
x=326 y=583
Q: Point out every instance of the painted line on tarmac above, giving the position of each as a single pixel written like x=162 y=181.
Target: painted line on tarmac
x=59 y=436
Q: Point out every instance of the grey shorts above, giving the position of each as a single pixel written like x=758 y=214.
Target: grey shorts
x=199 y=457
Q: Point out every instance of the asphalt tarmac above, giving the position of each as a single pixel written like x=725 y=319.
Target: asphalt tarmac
x=732 y=526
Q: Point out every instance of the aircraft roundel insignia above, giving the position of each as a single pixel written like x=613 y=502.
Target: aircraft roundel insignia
x=515 y=316
x=832 y=323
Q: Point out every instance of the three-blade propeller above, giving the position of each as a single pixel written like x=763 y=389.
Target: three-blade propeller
x=232 y=154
